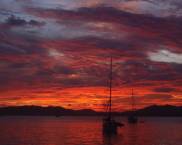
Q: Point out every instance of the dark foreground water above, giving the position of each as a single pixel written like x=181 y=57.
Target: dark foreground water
x=87 y=131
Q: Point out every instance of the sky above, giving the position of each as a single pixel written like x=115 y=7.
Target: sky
x=57 y=53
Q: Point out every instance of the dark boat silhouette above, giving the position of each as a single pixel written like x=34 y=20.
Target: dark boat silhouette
x=109 y=124
x=132 y=118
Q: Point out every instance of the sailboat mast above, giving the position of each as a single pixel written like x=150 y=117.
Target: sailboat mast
x=110 y=89
x=133 y=101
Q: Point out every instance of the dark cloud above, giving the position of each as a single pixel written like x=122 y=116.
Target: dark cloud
x=164 y=89
x=107 y=43
x=163 y=97
x=10 y=49
x=145 y=31
x=16 y=21
x=13 y=44
x=177 y=68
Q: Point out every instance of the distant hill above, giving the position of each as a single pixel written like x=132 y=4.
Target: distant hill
x=155 y=110
x=42 y=111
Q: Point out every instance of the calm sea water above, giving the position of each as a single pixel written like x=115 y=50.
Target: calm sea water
x=87 y=131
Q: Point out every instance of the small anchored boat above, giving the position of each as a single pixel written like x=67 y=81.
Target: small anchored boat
x=132 y=118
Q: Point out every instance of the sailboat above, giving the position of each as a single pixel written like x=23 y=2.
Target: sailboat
x=109 y=124
x=132 y=118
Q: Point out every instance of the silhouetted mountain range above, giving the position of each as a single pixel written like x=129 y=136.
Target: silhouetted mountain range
x=42 y=111
x=155 y=110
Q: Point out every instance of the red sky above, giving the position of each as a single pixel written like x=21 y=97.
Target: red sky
x=57 y=52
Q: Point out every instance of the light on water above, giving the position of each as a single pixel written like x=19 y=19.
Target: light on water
x=87 y=131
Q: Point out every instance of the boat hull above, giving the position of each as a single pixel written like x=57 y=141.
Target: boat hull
x=110 y=126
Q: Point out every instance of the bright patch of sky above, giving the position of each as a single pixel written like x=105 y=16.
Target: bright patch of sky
x=55 y=53
x=165 y=56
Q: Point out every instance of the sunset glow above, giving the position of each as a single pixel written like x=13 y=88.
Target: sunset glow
x=57 y=53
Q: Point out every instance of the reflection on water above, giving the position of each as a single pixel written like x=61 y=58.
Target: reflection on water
x=112 y=139
x=87 y=131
